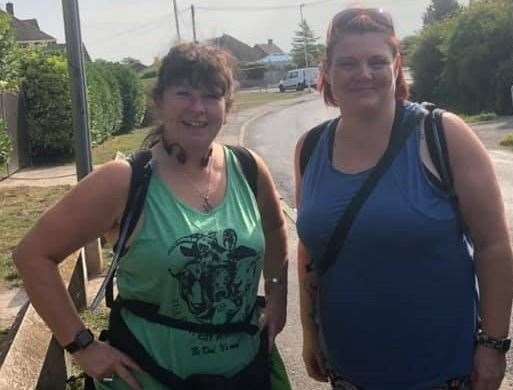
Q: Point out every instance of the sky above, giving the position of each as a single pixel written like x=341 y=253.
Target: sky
x=143 y=29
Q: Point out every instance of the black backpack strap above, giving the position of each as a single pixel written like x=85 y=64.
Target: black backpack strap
x=437 y=146
x=140 y=179
x=311 y=140
x=400 y=134
x=151 y=312
x=248 y=165
x=141 y=174
x=439 y=154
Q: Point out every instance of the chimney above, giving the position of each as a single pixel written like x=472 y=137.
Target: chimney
x=269 y=42
x=9 y=7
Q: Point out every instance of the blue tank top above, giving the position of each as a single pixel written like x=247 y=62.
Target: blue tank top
x=398 y=308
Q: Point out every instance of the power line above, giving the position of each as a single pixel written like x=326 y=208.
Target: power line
x=151 y=24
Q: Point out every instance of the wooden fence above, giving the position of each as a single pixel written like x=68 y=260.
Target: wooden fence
x=33 y=359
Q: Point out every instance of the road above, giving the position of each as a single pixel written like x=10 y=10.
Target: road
x=274 y=137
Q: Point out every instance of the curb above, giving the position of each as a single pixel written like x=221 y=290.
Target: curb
x=290 y=213
x=269 y=110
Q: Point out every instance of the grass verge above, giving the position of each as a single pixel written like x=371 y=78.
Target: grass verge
x=19 y=209
x=508 y=140
x=482 y=117
x=124 y=143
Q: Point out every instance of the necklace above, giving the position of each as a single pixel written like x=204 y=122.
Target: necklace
x=204 y=195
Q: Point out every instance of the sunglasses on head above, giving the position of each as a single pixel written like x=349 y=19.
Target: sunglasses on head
x=377 y=15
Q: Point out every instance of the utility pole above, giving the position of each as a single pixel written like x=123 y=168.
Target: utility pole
x=304 y=43
x=193 y=15
x=176 y=22
x=80 y=112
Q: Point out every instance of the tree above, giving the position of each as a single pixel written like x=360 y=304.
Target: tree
x=9 y=56
x=313 y=48
x=427 y=60
x=133 y=63
x=439 y=10
x=479 y=53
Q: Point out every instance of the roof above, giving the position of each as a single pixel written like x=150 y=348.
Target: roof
x=241 y=51
x=33 y=22
x=28 y=30
x=268 y=48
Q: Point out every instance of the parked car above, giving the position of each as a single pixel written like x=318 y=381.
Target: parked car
x=299 y=79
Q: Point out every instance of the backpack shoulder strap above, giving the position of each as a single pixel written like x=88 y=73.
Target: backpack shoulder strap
x=248 y=164
x=141 y=174
x=437 y=146
x=439 y=154
x=139 y=182
x=310 y=141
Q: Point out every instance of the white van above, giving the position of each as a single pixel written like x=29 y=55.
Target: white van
x=299 y=79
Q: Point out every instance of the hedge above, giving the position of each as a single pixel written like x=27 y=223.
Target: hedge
x=9 y=56
x=48 y=102
x=132 y=96
x=5 y=143
x=105 y=106
x=114 y=97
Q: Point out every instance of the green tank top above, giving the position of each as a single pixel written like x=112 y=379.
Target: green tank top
x=201 y=268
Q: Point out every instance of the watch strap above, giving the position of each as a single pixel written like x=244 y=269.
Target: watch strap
x=82 y=340
x=501 y=345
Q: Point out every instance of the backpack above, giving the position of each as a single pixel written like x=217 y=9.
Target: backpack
x=436 y=145
x=140 y=162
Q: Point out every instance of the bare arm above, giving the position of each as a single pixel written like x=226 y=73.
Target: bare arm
x=482 y=209
x=307 y=280
x=275 y=260
x=91 y=208
x=308 y=287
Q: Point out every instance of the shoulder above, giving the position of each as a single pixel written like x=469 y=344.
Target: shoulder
x=108 y=183
x=116 y=173
x=307 y=142
x=459 y=135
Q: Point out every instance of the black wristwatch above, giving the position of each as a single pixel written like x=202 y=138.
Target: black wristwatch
x=82 y=340
x=501 y=345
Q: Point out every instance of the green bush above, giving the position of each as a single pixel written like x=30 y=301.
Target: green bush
x=427 y=61
x=48 y=102
x=115 y=98
x=5 y=143
x=477 y=47
x=149 y=75
x=132 y=96
x=508 y=140
x=9 y=56
x=105 y=107
x=466 y=62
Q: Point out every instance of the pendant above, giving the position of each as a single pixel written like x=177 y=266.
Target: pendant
x=207 y=207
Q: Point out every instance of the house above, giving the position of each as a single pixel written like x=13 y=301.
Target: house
x=242 y=52
x=27 y=32
x=267 y=48
x=271 y=54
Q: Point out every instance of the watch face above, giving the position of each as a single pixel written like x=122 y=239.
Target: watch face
x=85 y=338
